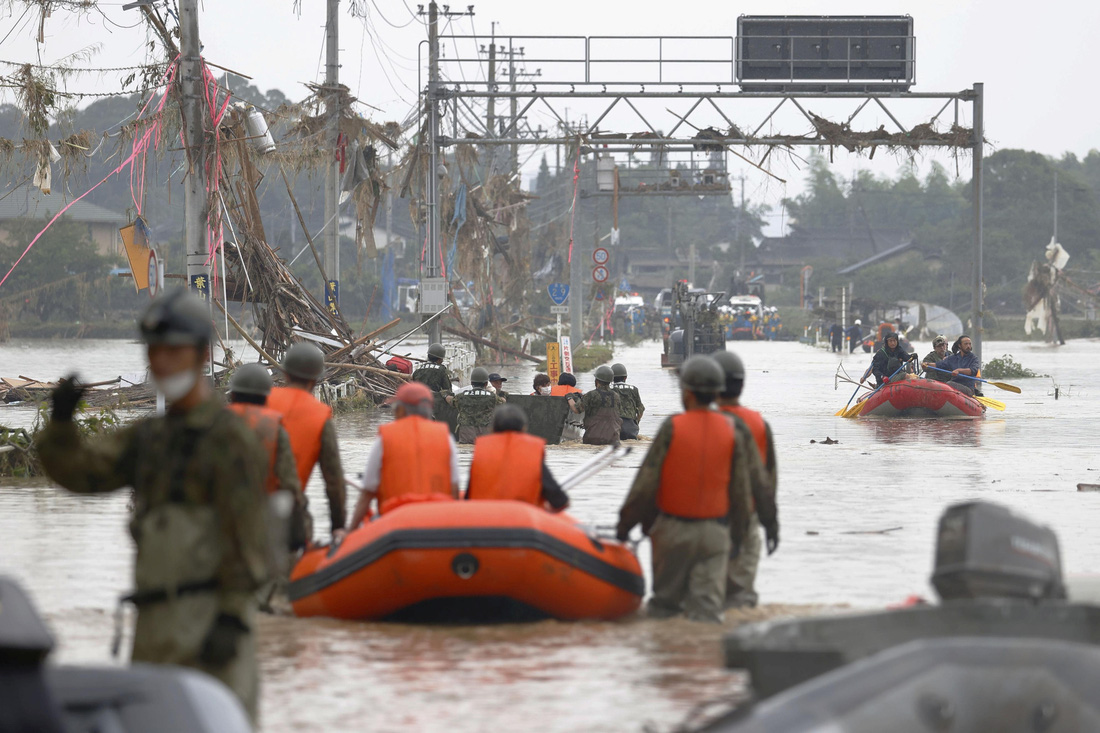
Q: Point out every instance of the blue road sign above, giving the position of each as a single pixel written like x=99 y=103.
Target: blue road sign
x=559 y=292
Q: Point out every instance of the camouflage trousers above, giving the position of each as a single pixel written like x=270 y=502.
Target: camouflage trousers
x=469 y=433
x=741 y=578
x=629 y=430
x=689 y=568
x=173 y=632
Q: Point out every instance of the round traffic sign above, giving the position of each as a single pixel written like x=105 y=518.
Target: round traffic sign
x=154 y=274
x=600 y=274
x=600 y=256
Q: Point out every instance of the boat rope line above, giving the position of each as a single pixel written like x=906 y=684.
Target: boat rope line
x=140 y=144
x=465 y=538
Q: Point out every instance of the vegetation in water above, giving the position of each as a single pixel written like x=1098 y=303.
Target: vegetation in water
x=20 y=459
x=1005 y=367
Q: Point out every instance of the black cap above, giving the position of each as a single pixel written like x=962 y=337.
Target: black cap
x=494 y=377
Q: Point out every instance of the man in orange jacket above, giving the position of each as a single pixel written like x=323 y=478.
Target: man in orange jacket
x=308 y=422
x=693 y=497
x=509 y=464
x=741 y=577
x=248 y=390
x=414 y=456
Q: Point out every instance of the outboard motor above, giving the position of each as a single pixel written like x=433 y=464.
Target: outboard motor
x=985 y=551
x=135 y=699
x=26 y=703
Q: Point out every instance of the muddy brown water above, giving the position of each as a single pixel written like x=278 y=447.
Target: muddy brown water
x=857 y=530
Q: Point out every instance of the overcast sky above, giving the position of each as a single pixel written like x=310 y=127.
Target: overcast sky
x=1034 y=58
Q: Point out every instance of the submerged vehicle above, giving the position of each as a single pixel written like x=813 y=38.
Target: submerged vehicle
x=139 y=698
x=919 y=398
x=1003 y=651
x=469 y=561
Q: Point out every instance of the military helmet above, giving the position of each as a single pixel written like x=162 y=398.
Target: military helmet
x=437 y=351
x=177 y=318
x=250 y=379
x=702 y=374
x=730 y=363
x=604 y=374
x=619 y=370
x=304 y=361
x=479 y=375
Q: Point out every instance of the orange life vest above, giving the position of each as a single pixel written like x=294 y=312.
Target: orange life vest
x=695 y=476
x=416 y=459
x=755 y=422
x=561 y=390
x=265 y=423
x=304 y=418
x=507 y=466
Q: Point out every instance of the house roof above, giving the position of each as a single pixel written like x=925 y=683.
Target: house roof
x=30 y=203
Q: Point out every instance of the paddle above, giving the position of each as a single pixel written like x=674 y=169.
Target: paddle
x=990 y=402
x=858 y=407
x=844 y=409
x=999 y=385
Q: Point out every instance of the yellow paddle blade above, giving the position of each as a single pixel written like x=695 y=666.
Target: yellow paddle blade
x=1006 y=387
x=990 y=402
x=854 y=410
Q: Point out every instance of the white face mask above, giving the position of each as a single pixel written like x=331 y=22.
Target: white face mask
x=544 y=391
x=177 y=385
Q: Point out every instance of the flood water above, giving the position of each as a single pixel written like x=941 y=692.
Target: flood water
x=857 y=523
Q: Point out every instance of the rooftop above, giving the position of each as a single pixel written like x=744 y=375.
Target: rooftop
x=30 y=203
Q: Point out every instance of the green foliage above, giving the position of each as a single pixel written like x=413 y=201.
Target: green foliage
x=1005 y=367
x=22 y=460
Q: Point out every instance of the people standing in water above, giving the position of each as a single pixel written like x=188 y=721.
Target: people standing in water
x=433 y=374
x=199 y=521
x=308 y=422
x=509 y=464
x=475 y=407
x=692 y=494
x=414 y=456
x=741 y=577
x=497 y=382
x=601 y=407
x=541 y=386
x=631 y=408
x=855 y=335
x=574 y=419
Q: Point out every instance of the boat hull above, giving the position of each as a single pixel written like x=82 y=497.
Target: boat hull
x=920 y=398
x=477 y=561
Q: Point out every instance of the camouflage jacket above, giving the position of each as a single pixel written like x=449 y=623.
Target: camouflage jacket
x=435 y=377
x=206 y=457
x=631 y=407
x=475 y=407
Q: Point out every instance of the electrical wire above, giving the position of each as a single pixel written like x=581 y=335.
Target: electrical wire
x=389 y=22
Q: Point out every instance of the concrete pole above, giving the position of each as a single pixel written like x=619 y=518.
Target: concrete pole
x=431 y=265
x=978 y=296
x=491 y=106
x=514 y=166
x=576 y=291
x=194 y=206
x=332 y=170
x=740 y=217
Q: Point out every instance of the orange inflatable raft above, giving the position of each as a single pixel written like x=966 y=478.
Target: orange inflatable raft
x=468 y=561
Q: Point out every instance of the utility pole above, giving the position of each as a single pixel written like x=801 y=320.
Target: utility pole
x=194 y=206
x=491 y=104
x=978 y=296
x=740 y=241
x=433 y=286
x=1055 y=206
x=514 y=167
x=331 y=245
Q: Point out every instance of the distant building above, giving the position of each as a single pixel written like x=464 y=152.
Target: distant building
x=846 y=245
x=30 y=203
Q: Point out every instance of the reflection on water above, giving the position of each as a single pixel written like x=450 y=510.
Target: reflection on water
x=954 y=431
x=75 y=557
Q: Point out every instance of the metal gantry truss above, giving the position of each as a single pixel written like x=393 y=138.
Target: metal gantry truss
x=690 y=83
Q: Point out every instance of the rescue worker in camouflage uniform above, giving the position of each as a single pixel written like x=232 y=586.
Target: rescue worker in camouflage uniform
x=602 y=408
x=631 y=409
x=475 y=407
x=433 y=374
x=693 y=497
x=308 y=422
x=199 y=518
x=741 y=577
